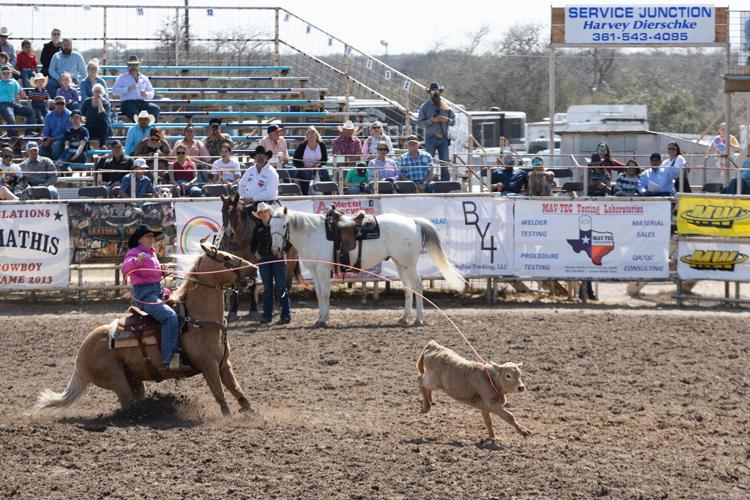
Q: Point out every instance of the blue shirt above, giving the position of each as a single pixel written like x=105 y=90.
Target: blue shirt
x=415 y=170
x=86 y=88
x=143 y=186
x=658 y=180
x=135 y=135
x=72 y=63
x=8 y=90
x=55 y=125
x=513 y=179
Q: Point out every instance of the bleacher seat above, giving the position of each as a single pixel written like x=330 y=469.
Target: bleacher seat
x=384 y=187
x=571 y=187
x=446 y=187
x=115 y=192
x=93 y=192
x=327 y=188
x=405 y=187
x=561 y=173
x=712 y=187
x=38 y=193
x=215 y=190
x=289 y=189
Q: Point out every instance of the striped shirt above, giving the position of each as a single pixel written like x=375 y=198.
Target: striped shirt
x=36 y=95
x=415 y=169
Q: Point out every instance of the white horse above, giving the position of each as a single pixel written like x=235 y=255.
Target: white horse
x=401 y=240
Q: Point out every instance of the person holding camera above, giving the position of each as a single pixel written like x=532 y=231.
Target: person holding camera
x=436 y=117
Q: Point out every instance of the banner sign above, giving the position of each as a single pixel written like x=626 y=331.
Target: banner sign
x=100 y=231
x=34 y=246
x=476 y=233
x=713 y=216
x=640 y=24
x=604 y=239
x=708 y=260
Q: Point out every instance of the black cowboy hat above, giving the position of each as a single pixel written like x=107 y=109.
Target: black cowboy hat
x=260 y=150
x=435 y=86
x=140 y=231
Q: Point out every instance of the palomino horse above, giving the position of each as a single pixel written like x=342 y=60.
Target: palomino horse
x=124 y=370
x=401 y=240
x=238 y=225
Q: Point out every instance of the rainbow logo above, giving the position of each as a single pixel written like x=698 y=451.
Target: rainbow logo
x=196 y=229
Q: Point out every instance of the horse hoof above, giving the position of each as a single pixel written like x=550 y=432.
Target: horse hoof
x=319 y=324
x=225 y=411
x=418 y=322
x=402 y=321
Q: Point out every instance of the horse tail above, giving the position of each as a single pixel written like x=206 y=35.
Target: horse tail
x=420 y=363
x=431 y=242
x=50 y=399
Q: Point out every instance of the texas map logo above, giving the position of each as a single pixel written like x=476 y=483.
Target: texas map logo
x=596 y=244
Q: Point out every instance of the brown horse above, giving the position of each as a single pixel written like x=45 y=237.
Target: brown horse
x=123 y=370
x=238 y=225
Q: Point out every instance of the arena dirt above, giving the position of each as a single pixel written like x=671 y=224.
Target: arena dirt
x=622 y=403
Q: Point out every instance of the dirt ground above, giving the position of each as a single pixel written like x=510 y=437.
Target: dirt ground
x=622 y=402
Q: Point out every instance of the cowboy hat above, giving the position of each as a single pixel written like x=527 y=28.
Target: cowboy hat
x=36 y=77
x=260 y=208
x=144 y=114
x=133 y=60
x=260 y=150
x=4 y=31
x=349 y=125
x=435 y=86
x=140 y=231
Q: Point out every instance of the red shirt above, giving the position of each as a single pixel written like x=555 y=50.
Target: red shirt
x=25 y=61
x=184 y=172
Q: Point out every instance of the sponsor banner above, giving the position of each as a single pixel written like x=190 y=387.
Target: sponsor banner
x=640 y=24
x=709 y=260
x=34 y=246
x=713 y=216
x=603 y=239
x=476 y=232
x=100 y=231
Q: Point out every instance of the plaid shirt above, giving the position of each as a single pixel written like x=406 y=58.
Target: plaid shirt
x=415 y=169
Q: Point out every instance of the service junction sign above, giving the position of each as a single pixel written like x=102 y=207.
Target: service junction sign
x=640 y=24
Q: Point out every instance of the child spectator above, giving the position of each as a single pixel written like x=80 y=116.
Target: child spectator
x=26 y=63
x=627 y=181
x=5 y=60
x=76 y=140
x=226 y=168
x=183 y=175
x=39 y=97
x=67 y=91
x=599 y=178
x=269 y=273
x=540 y=182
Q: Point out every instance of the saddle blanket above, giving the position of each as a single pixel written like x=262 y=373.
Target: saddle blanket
x=120 y=337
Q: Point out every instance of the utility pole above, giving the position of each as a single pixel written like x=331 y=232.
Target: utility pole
x=186 y=38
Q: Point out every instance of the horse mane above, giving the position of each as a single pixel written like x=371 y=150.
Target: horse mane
x=301 y=220
x=180 y=293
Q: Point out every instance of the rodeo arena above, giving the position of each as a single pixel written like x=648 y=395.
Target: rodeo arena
x=242 y=258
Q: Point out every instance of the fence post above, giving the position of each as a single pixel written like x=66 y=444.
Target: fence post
x=346 y=81
x=176 y=36
x=276 y=58
x=104 y=37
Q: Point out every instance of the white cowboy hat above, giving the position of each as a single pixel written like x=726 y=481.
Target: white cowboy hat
x=348 y=125
x=36 y=77
x=144 y=114
x=260 y=208
x=4 y=31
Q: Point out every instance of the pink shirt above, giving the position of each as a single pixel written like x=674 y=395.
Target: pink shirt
x=279 y=147
x=151 y=261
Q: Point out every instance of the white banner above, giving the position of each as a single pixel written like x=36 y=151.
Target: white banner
x=708 y=260
x=640 y=24
x=476 y=232
x=603 y=239
x=34 y=246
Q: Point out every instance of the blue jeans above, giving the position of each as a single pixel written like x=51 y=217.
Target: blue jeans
x=54 y=150
x=40 y=110
x=164 y=314
x=135 y=106
x=9 y=110
x=439 y=144
x=356 y=189
x=26 y=75
x=268 y=274
x=70 y=157
x=52 y=87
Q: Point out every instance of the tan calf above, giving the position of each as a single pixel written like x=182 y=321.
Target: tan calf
x=469 y=382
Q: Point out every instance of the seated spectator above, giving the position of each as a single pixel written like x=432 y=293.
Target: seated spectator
x=92 y=78
x=66 y=61
x=675 y=160
x=39 y=170
x=356 y=179
x=56 y=124
x=134 y=90
x=540 y=181
x=744 y=177
x=416 y=165
x=347 y=145
x=183 y=175
x=10 y=173
x=144 y=122
x=6 y=47
x=39 y=97
x=196 y=150
x=371 y=144
x=215 y=138
x=5 y=61
x=657 y=180
x=153 y=144
x=382 y=167
x=276 y=144
x=627 y=181
x=610 y=163
x=309 y=158
x=67 y=91
x=599 y=178
x=26 y=63
x=509 y=180
x=10 y=94
x=96 y=110
x=144 y=188
x=110 y=169
x=226 y=169
x=76 y=141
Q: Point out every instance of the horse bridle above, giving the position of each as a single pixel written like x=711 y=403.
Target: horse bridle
x=213 y=255
x=285 y=235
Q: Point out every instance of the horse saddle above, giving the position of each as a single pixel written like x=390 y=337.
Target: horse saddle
x=348 y=232
x=137 y=328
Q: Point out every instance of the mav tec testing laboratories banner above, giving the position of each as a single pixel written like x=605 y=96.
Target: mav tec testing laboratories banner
x=604 y=239
x=34 y=245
